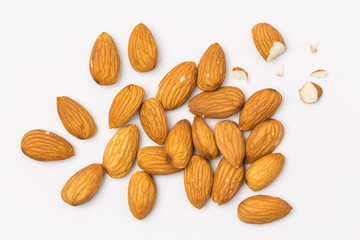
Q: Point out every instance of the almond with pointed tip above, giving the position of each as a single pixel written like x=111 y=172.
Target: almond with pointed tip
x=310 y=92
x=204 y=139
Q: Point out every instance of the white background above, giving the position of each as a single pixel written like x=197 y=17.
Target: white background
x=44 y=53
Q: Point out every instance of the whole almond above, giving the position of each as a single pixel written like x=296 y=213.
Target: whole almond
x=153 y=161
x=262 y=209
x=75 y=118
x=176 y=87
x=83 y=185
x=230 y=142
x=43 y=145
x=212 y=68
x=198 y=181
x=227 y=182
x=204 y=139
x=178 y=144
x=125 y=105
x=120 y=152
x=141 y=194
x=259 y=107
x=154 y=121
x=104 y=61
x=263 y=140
x=222 y=103
x=142 y=49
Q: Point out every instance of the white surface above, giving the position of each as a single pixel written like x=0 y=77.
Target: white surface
x=44 y=53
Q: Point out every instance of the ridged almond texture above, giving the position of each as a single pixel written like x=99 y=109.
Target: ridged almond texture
x=198 y=181
x=178 y=144
x=176 y=87
x=125 y=105
x=262 y=209
x=83 y=185
x=227 y=182
x=141 y=194
x=43 y=145
x=263 y=140
x=153 y=161
x=259 y=107
x=75 y=118
x=104 y=60
x=120 y=152
x=212 y=68
x=142 y=49
x=154 y=121
x=230 y=142
x=204 y=139
x=222 y=103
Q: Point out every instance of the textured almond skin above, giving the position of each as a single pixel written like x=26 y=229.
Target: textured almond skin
x=198 y=181
x=153 y=160
x=120 y=152
x=227 y=182
x=259 y=107
x=176 y=87
x=42 y=145
x=204 y=139
x=125 y=105
x=104 y=60
x=222 y=103
x=264 y=171
x=75 y=118
x=141 y=194
x=83 y=185
x=263 y=140
x=154 y=121
x=230 y=142
x=212 y=68
x=178 y=144
x=262 y=209
x=142 y=49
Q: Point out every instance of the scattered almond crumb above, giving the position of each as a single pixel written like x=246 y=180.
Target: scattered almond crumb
x=313 y=46
x=280 y=71
x=310 y=92
x=240 y=73
x=321 y=73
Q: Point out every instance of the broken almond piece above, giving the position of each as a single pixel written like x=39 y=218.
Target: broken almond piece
x=280 y=71
x=321 y=73
x=240 y=73
x=310 y=92
x=313 y=46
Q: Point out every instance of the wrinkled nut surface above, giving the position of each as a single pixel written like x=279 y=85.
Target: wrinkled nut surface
x=310 y=92
x=204 y=139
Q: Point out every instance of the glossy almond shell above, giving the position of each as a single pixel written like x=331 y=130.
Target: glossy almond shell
x=204 y=139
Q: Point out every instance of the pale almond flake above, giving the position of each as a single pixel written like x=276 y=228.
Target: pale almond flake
x=280 y=71
x=240 y=74
x=321 y=73
x=313 y=46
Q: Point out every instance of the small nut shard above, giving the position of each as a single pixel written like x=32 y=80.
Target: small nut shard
x=310 y=92
x=321 y=73
x=280 y=71
x=240 y=74
x=313 y=46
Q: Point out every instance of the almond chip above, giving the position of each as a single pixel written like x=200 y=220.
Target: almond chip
x=313 y=46
x=310 y=92
x=240 y=73
x=321 y=73
x=280 y=71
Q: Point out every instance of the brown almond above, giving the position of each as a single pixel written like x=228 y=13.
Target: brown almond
x=204 y=139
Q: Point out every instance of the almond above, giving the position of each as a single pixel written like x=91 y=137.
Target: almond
x=77 y=121
x=240 y=73
x=153 y=161
x=262 y=209
x=141 y=194
x=204 y=139
x=263 y=140
x=178 y=144
x=212 y=68
x=310 y=92
x=125 y=105
x=142 y=49
x=227 y=182
x=120 y=152
x=104 y=61
x=313 y=46
x=154 y=121
x=198 y=181
x=43 y=145
x=230 y=142
x=259 y=107
x=176 y=87
x=321 y=73
x=83 y=185
x=222 y=103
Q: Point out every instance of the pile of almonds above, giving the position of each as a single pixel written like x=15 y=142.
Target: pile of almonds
x=173 y=91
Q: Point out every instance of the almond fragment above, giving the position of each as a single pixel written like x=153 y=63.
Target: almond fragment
x=313 y=46
x=240 y=73
x=280 y=71
x=204 y=139
x=310 y=92
x=318 y=73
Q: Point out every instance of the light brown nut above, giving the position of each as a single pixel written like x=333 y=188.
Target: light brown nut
x=104 y=61
x=125 y=105
x=142 y=49
x=262 y=209
x=83 y=185
x=42 y=145
x=222 y=103
x=310 y=92
x=204 y=139
x=198 y=181
x=259 y=107
x=176 y=87
x=120 y=152
x=141 y=194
